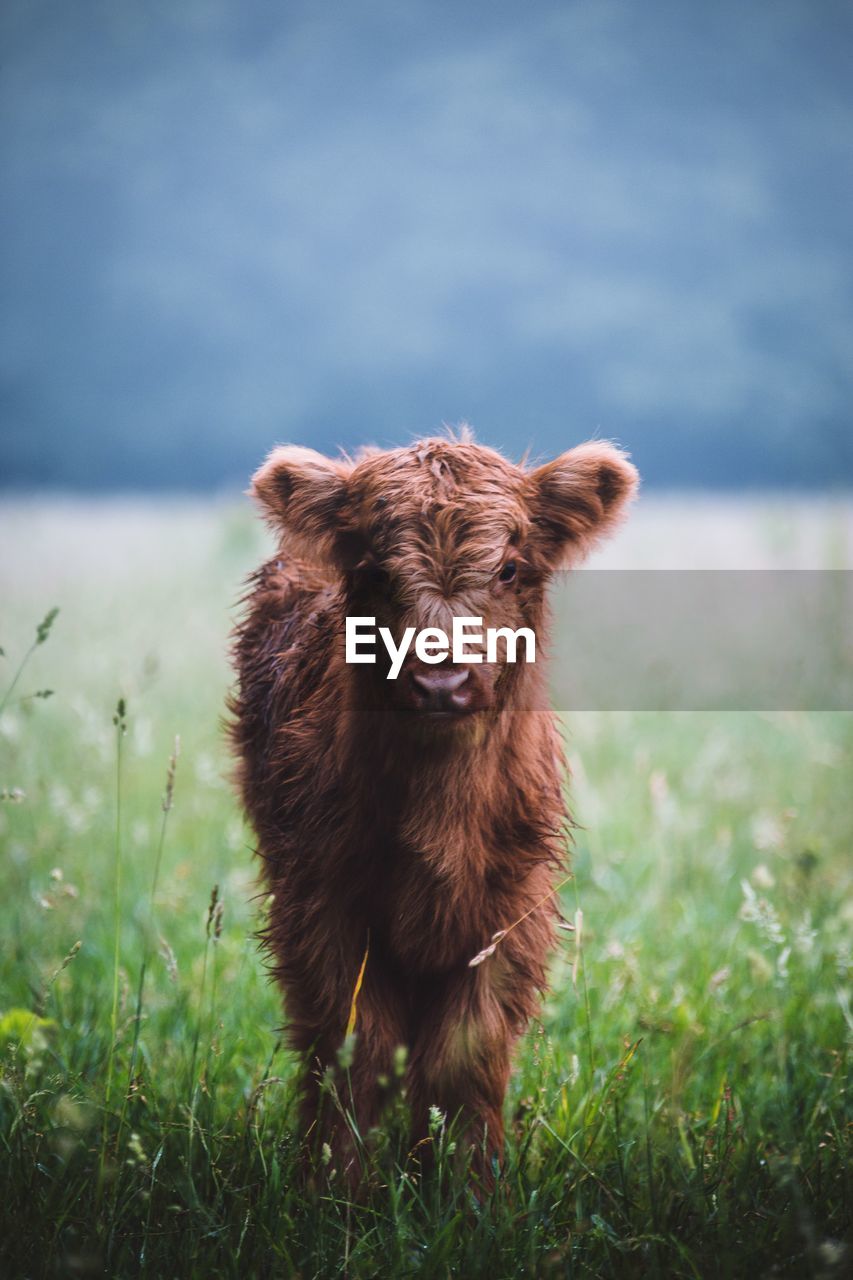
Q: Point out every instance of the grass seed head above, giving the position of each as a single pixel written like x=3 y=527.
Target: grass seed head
x=170 y=775
x=43 y=628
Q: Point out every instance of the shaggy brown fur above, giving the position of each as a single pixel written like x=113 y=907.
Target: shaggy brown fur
x=424 y=833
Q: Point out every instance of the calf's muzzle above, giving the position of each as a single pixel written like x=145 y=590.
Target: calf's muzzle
x=440 y=690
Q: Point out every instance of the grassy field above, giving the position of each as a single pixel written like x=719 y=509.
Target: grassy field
x=681 y=1110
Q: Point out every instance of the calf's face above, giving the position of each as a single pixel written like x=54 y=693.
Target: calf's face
x=444 y=529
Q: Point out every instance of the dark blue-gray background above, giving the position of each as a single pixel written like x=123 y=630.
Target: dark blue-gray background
x=226 y=224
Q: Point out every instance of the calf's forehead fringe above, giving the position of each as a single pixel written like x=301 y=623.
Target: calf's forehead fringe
x=444 y=489
x=451 y=468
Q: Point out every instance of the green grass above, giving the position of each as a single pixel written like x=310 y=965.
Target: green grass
x=680 y=1111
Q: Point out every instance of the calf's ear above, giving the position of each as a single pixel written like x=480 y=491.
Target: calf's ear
x=579 y=499
x=303 y=496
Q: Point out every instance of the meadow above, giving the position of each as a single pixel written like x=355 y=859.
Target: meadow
x=681 y=1109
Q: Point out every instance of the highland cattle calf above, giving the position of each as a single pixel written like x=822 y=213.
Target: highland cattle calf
x=404 y=822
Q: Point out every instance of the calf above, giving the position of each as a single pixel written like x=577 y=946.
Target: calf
x=404 y=822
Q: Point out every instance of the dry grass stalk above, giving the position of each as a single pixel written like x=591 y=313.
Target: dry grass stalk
x=498 y=937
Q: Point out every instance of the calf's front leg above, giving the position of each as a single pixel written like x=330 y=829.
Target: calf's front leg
x=345 y=1088
x=460 y=1063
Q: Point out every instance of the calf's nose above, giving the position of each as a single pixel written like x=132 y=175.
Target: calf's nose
x=441 y=688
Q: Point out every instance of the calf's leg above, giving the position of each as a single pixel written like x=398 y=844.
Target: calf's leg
x=345 y=1087
x=461 y=1063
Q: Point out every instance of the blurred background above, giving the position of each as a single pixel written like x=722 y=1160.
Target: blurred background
x=224 y=225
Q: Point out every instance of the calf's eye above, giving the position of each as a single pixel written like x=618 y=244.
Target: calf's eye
x=508 y=572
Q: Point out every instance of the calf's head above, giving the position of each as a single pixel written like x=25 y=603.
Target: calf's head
x=440 y=529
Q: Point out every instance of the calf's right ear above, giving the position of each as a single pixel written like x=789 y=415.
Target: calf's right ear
x=579 y=499
x=303 y=495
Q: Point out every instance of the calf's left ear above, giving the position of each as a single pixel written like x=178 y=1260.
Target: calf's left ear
x=578 y=499
x=303 y=495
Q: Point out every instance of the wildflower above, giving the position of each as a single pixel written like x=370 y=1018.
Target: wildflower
x=437 y=1120
x=759 y=911
x=136 y=1151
